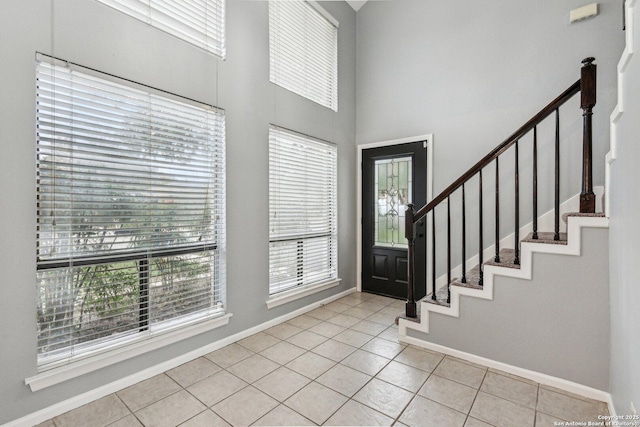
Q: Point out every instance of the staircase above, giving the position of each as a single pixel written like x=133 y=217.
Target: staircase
x=511 y=257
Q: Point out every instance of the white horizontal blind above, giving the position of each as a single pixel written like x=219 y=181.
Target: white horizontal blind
x=304 y=51
x=302 y=211
x=199 y=22
x=130 y=210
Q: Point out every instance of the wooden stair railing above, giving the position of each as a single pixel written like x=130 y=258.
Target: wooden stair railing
x=587 y=86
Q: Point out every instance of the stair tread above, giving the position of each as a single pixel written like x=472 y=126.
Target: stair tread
x=507 y=258
x=547 y=238
x=472 y=279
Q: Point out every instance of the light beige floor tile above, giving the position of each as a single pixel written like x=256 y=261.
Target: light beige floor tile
x=403 y=376
x=245 y=407
x=259 y=342
x=424 y=412
x=352 y=300
x=206 y=419
x=384 y=397
x=420 y=358
x=383 y=348
x=367 y=327
x=128 y=421
x=48 y=423
x=217 y=387
x=321 y=313
x=337 y=306
x=449 y=393
x=544 y=420
x=303 y=322
x=499 y=412
x=334 y=350
x=466 y=362
x=343 y=379
x=569 y=408
x=353 y=338
x=229 y=355
x=353 y=413
x=392 y=310
x=148 y=391
x=510 y=389
x=194 y=371
x=359 y=312
x=100 y=412
x=398 y=304
x=281 y=383
x=316 y=402
x=460 y=372
x=373 y=305
x=283 y=416
x=310 y=365
x=344 y=320
x=472 y=422
x=307 y=340
x=253 y=368
x=283 y=352
x=327 y=329
x=171 y=411
x=567 y=393
x=391 y=333
x=283 y=331
x=515 y=377
x=366 y=362
x=383 y=318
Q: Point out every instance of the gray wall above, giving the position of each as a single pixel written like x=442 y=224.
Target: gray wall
x=91 y=34
x=557 y=323
x=625 y=244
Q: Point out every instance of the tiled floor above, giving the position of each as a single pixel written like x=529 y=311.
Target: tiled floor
x=337 y=365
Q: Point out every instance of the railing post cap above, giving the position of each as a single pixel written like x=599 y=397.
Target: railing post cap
x=588 y=61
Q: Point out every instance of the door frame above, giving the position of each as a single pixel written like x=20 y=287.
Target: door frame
x=429 y=140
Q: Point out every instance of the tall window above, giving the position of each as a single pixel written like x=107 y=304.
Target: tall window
x=199 y=22
x=303 y=42
x=130 y=211
x=302 y=211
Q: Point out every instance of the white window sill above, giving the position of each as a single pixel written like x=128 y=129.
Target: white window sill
x=295 y=294
x=101 y=360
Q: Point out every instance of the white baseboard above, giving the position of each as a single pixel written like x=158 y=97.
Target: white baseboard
x=97 y=393
x=538 y=377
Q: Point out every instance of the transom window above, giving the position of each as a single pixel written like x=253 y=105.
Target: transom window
x=199 y=22
x=303 y=40
x=303 y=247
x=130 y=213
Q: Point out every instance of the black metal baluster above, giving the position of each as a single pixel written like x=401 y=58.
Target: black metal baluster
x=497 y=257
x=535 y=183
x=556 y=234
x=516 y=259
x=433 y=253
x=448 y=249
x=411 y=308
x=464 y=240
x=480 y=233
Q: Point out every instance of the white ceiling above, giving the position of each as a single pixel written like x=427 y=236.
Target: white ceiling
x=356 y=4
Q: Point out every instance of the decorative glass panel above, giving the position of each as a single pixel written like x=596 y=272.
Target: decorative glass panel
x=393 y=188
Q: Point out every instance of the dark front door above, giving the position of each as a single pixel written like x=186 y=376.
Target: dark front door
x=392 y=177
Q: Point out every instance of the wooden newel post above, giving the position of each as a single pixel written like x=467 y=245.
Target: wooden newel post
x=587 y=102
x=411 y=307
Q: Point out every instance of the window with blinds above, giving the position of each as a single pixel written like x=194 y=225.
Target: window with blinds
x=130 y=213
x=303 y=41
x=303 y=247
x=199 y=22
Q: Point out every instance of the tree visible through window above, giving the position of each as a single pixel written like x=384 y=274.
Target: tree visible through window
x=130 y=208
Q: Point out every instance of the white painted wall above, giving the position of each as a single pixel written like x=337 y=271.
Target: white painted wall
x=91 y=34
x=625 y=227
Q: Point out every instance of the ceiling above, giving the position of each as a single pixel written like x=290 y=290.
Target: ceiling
x=356 y=4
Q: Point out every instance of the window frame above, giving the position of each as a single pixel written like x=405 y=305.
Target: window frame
x=102 y=351
x=278 y=184
x=290 y=67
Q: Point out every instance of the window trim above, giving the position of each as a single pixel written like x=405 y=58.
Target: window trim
x=304 y=289
x=103 y=352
